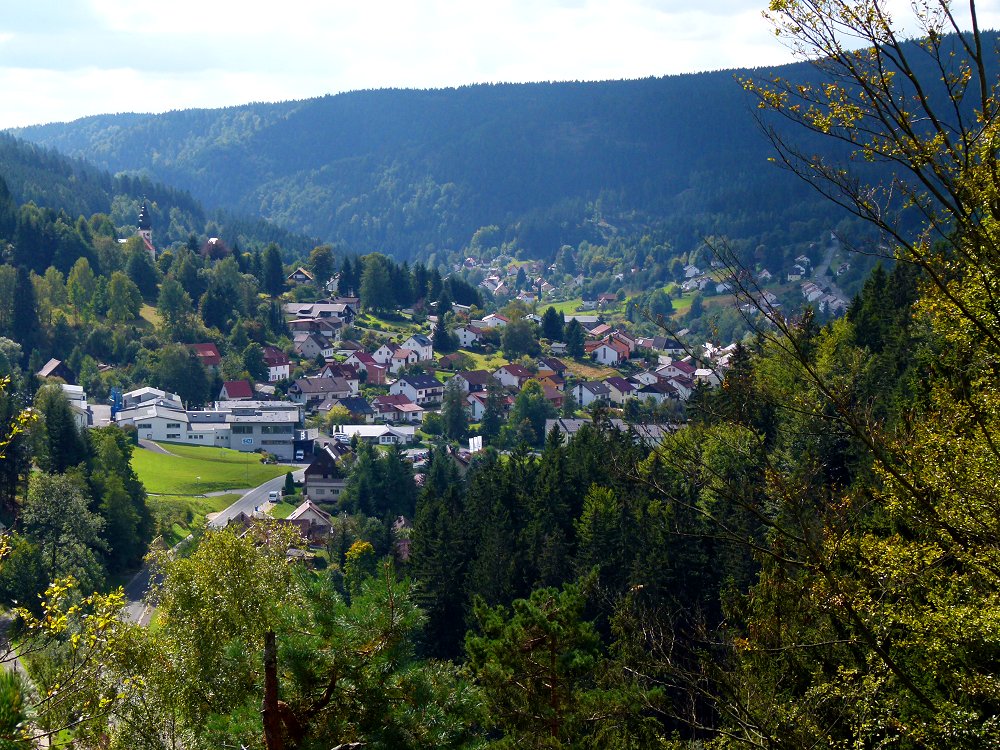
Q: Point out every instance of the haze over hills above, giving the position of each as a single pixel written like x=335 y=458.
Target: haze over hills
x=412 y=172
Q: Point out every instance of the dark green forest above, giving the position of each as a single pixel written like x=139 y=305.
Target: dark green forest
x=72 y=187
x=410 y=173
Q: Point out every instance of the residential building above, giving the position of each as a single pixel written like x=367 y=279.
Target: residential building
x=56 y=368
x=312 y=391
x=421 y=345
x=513 y=376
x=300 y=276
x=236 y=390
x=420 y=389
x=474 y=380
x=589 y=391
x=620 y=390
x=208 y=355
x=376 y=433
x=397 y=408
x=278 y=364
x=468 y=336
x=324 y=479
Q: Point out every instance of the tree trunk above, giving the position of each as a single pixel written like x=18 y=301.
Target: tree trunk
x=269 y=708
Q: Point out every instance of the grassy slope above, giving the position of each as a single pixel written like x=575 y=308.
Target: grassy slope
x=198 y=470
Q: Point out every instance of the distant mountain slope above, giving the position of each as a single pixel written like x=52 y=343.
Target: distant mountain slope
x=409 y=172
x=72 y=185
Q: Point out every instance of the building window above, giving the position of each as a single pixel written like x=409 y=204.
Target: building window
x=173 y=425
x=173 y=435
x=276 y=429
x=242 y=429
x=145 y=426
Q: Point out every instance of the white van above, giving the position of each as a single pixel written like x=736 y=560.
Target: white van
x=274 y=496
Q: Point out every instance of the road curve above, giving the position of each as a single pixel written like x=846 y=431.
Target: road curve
x=137 y=608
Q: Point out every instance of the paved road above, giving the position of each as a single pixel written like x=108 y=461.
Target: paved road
x=820 y=277
x=135 y=590
x=255 y=497
x=151 y=446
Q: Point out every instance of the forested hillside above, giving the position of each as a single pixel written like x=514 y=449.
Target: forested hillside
x=412 y=172
x=73 y=187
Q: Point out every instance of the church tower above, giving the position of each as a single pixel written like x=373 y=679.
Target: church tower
x=146 y=229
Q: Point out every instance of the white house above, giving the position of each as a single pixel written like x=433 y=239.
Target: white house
x=379 y=434
x=420 y=344
x=278 y=364
x=495 y=320
x=402 y=357
x=589 y=391
x=420 y=389
x=468 y=336
x=512 y=376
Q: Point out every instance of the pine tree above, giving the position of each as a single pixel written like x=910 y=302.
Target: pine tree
x=273 y=281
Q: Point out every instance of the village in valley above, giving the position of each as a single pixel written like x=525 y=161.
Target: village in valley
x=449 y=375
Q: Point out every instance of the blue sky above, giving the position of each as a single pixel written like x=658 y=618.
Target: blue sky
x=64 y=59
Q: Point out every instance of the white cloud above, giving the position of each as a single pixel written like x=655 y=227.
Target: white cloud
x=62 y=60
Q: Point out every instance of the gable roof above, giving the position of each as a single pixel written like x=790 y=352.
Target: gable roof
x=300 y=271
x=208 y=354
x=355 y=405
x=309 y=507
x=274 y=357
x=422 y=381
x=321 y=385
x=619 y=384
x=238 y=389
x=518 y=371
x=420 y=339
x=475 y=377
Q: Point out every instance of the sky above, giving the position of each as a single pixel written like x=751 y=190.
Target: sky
x=64 y=59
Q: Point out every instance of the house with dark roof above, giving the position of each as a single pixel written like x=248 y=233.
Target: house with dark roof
x=472 y=381
x=420 y=389
x=589 y=391
x=420 y=344
x=660 y=391
x=359 y=408
x=324 y=478
x=552 y=363
x=313 y=391
x=56 y=368
x=620 y=389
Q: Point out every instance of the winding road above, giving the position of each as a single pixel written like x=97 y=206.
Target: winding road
x=138 y=609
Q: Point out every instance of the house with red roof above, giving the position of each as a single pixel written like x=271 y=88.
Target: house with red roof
x=610 y=352
x=278 y=364
x=512 y=375
x=365 y=362
x=208 y=355
x=236 y=390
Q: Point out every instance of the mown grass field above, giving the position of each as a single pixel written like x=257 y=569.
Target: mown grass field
x=566 y=306
x=196 y=470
